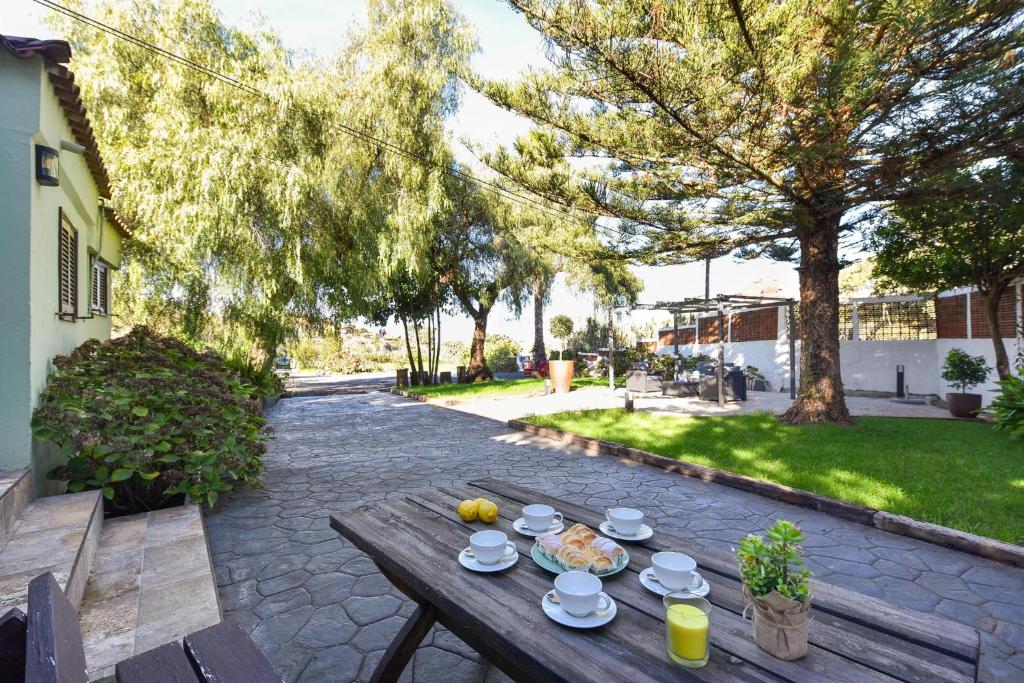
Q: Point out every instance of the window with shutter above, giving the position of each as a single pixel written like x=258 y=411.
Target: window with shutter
x=67 y=269
x=100 y=287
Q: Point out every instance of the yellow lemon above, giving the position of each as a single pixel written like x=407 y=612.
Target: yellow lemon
x=488 y=511
x=480 y=501
x=468 y=510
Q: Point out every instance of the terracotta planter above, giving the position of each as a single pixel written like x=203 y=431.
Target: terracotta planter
x=561 y=374
x=963 y=405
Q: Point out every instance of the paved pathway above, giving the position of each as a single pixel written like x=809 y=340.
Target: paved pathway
x=321 y=611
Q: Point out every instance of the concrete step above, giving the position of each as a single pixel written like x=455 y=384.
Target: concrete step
x=55 y=534
x=15 y=494
x=152 y=582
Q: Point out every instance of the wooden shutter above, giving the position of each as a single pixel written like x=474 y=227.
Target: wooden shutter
x=100 y=297
x=67 y=269
x=105 y=289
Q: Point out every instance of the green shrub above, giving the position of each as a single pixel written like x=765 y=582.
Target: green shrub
x=499 y=349
x=261 y=378
x=775 y=564
x=1009 y=405
x=963 y=370
x=666 y=365
x=145 y=418
x=690 y=362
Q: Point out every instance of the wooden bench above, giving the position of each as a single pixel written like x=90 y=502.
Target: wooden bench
x=46 y=647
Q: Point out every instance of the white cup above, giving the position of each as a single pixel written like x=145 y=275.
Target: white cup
x=675 y=571
x=539 y=517
x=579 y=593
x=626 y=521
x=490 y=547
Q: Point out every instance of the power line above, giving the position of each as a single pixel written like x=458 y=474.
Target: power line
x=557 y=212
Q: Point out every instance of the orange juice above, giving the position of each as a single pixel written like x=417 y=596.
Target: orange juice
x=687 y=633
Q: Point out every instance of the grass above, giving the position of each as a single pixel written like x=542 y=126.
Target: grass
x=965 y=475
x=503 y=387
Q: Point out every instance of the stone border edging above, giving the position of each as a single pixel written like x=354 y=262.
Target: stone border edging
x=982 y=546
x=425 y=399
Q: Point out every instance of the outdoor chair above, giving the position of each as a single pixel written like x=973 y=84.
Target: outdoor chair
x=640 y=381
x=735 y=386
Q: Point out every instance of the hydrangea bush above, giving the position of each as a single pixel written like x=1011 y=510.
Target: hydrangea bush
x=147 y=419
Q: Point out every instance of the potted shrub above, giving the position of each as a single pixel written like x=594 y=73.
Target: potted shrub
x=964 y=371
x=778 y=587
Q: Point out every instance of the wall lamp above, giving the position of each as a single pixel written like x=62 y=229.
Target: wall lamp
x=47 y=160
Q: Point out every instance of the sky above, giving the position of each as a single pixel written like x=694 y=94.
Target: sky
x=507 y=46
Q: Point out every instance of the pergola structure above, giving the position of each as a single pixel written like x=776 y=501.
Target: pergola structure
x=724 y=304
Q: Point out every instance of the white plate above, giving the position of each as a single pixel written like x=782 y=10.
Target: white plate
x=520 y=526
x=652 y=585
x=472 y=564
x=642 y=534
x=559 y=615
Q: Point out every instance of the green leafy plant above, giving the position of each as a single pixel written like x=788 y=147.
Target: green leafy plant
x=690 y=362
x=963 y=370
x=146 y=418
x=752 y=372
x=561 y=328
x=262 y=378
x=776 y=563
x=1008 y=405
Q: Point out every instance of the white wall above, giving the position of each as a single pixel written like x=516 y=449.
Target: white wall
x=866 y=365
x=871 y=365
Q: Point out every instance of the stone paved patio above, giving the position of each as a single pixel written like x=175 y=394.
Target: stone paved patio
x=321 y=612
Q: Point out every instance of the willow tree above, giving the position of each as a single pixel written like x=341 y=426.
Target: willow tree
x=223 y=185
x=766 y=125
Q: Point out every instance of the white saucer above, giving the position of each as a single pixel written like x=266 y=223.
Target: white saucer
x=520 y=526
x=472 y=564
x=559 y=615
x=642 y=534
x=650 y=584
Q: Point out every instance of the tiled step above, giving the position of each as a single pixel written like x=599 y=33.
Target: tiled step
x=152 y=582
x=56 y=534
x=15 y=494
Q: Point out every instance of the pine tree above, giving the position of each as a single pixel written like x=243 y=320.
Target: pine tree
x=765 y=125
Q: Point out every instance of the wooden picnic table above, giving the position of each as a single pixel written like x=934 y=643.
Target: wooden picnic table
x=415 y=542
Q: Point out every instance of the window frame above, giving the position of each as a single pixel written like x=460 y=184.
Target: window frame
x=67 y=299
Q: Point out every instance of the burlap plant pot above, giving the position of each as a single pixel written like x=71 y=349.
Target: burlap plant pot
x=780 y=624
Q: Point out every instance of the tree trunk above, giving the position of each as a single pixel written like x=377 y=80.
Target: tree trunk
x=478 y=370
x=437 y=349
x=821 y=397
x=419 y=350
x=538 y=351
x=413 y=380
x=992 y=297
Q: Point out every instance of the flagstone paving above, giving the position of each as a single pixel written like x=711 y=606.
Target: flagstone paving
x=320 y=610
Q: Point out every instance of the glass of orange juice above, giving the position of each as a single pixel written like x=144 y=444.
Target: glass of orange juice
x=687 y=623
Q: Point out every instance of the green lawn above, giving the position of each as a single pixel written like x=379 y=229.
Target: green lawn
x=966 y=475
x=503 y=387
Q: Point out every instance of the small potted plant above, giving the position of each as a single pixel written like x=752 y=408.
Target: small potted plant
x=964 y=371
x=779 y=589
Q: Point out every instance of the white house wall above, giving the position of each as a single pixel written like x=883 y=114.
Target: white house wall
x=865 y=365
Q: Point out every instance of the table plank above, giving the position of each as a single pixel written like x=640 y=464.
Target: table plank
x=934 y=632
x=499 y=615
x=882 y=652
x=731 y=633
